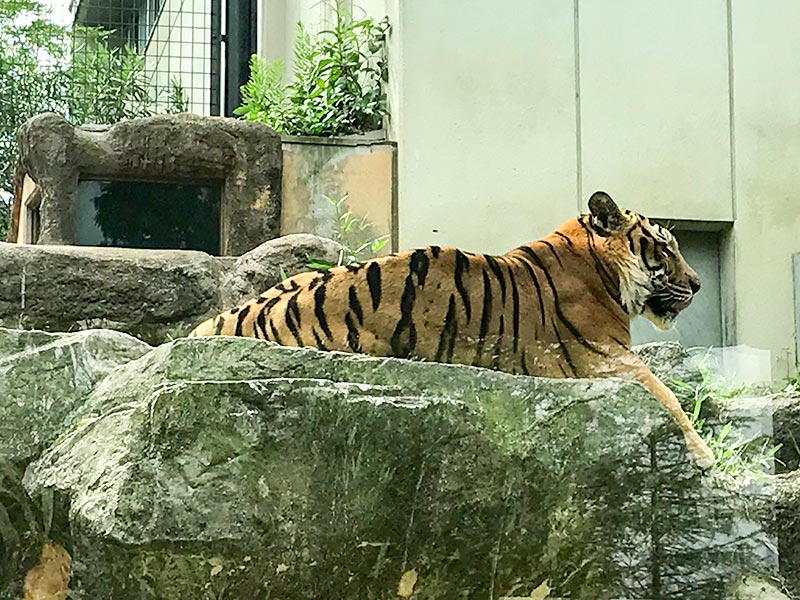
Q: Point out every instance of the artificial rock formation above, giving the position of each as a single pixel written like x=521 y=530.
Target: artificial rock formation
x=155 y=295
x=245 y=156
x=232 y=468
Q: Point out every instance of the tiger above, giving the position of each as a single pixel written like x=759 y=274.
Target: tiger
x=557 y=307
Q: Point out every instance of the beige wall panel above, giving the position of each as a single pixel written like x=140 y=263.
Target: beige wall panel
x=486 y=135
x=655 y=120
x=766 y=55
x=365 y=173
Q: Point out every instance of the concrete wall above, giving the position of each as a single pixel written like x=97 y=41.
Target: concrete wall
x=315 y=169
x=509 y=114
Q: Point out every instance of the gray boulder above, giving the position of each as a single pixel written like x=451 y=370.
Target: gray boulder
x=262 y=267
x=787 y=527
x=45 y=378
x=156 y=295
x=233 y=468
x=152 y=294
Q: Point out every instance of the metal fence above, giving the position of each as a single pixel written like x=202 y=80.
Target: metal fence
x=153 y=56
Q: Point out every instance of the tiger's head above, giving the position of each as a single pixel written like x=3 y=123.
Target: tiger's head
x=655 y=280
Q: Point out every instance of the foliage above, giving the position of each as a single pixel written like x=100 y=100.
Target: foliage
x=71 y=71
x=739 y=461
x=178 y=99
x=350 y=233
x=106 y=85
x=338 y=86
x=32 y=55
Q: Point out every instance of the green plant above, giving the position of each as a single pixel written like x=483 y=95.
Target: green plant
x=71 y=71
x=739 y=461
x=106 y=84
x=350 y=233
x=338 y=81
x=178 y=99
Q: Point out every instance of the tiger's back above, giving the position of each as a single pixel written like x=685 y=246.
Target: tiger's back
x=510 y=312
x=557 y=307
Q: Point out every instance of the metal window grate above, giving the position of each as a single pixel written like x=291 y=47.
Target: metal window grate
x=152 y=56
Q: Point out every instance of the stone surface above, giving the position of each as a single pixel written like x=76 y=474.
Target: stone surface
x=245 y=156
x=233 y=468
x=261 y=268
x=152 y=294
x=787 y=527
x=787 y=430
x=45 y=378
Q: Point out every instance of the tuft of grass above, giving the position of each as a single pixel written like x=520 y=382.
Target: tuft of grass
x=352 y=234
x=739 y=462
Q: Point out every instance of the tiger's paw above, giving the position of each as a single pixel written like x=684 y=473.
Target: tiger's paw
x=703 y=456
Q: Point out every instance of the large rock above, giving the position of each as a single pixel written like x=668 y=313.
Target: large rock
x=156 y=295
x=787 y=527
x=233 y=468
x=269 y=263
x=44 y=379
x=151 y=294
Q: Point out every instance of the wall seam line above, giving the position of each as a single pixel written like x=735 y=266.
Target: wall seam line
x=578 y=137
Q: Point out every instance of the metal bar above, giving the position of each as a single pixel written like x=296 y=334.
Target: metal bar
x=216 y=53
x=240 y=40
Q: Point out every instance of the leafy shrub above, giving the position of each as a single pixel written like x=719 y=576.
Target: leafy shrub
x=338 y=86
x=70 y=71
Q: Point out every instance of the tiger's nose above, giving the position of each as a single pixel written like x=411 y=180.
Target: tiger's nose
x=694 y=283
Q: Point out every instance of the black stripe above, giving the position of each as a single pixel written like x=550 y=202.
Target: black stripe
x=644 y=245
x=319 y=311
x=447 y=338
x=355 y=305
x=524 y=363
x=275 y=337
x=352 y=334
x=532 y=275
x=486 y=314
x=462 y=265
x=515 y=300
x=498 y=347
x=564 y=350
x=573 y=330
x=404 y=338
x=620 y=342
x=240 y=319
x=374 y=283
x=553 y=251
x=292 y=319
x=261 y=299
x=220 y=325
x=354 y=267
x=318 y=340
x=261 y=322
x=234 y=310
x=435 y=251
x=565 y=237
x=419 y=266
x=272 y=302
x=612 y=288
x=498 y=273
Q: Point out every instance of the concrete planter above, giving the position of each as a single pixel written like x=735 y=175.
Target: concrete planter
x=362 y=166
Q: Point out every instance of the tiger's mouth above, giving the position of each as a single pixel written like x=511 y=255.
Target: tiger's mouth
x=666 y=306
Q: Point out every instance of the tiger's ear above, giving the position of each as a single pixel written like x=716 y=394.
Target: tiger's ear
x=607 y=217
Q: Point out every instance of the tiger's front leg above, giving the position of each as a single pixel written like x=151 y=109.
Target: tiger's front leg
x=631 y=367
